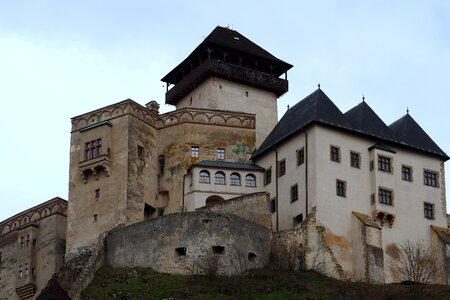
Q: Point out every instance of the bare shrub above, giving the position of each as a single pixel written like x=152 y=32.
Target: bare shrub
x=415 y=263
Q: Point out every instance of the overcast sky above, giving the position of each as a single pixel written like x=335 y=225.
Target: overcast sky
x=59 y=59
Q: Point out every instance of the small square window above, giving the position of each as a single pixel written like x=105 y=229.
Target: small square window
x=384 y=164
x=294 y=193
x=406 y=173
x=97 y=193
x=340 y=188
x=300 y=156
x=334 y=154
x=428 y=210
x=281 y=167
x=195 y=151
x=385 y=196
x=355 y=159
x=430 y=178
x=220 y=153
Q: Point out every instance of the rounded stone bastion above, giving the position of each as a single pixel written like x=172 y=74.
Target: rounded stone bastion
x=190 y=243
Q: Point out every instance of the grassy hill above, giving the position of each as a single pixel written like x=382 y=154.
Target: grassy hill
x=259 y=284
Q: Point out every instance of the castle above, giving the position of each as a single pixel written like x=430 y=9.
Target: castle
x=220 y=176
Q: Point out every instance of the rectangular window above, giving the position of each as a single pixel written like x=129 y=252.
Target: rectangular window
x=340 y=188
x=428 y=210
x=300 y=156
x=97 y=193
x=355 y=159
x=406 y=173
x=297 y=219
x=384 y=163
x=371 y=165
x=273 y=207
x=95 y=217
x=334 y=154
x=141 y=152
x=294 y=193
x=281 y=167
x=93 y=149
x=195 y=151
x=220 y=153
x=385 y=196
x=430 y=178
x=268 y=176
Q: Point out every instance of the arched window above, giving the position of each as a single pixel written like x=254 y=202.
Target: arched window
x=204 y=177
x=235 y=179
x=250 y=180
x=219 y=178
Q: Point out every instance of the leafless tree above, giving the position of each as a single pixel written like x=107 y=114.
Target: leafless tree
x=415 y=263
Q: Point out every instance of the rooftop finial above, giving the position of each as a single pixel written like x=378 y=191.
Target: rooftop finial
x=407 y=110
x=318 y=86
x=288 y=106
x=364 y=98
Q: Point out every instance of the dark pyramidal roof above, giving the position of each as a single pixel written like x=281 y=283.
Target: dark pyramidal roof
x=361 y=119
x=229 y=39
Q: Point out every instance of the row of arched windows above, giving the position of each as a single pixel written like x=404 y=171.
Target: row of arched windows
x=235 y=178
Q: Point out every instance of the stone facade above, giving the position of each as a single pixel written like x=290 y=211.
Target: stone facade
x=32 y=247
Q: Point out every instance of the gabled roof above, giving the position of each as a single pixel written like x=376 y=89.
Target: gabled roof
x=220 y=164
x=364 y=119
x=408 y=132
x=316 y=107
x=229 y=39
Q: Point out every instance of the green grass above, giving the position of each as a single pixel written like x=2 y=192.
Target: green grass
x=256 y=285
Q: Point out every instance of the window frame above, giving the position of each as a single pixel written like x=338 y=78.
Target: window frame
x=353 y=159
x=385 y=196
x=300 y=154
x=93 y=149
x=202 y=179
x=250 y=183
x=385 y=163
x=294 y=193
x=430 y=180
x=407 y=175
x=281 y=167
x=233 y=180
x=428 y=210
x=268 y=175
x=335 y=153
x=220 y=153
x=195 y=151
x=220 y=178
x=341 y=188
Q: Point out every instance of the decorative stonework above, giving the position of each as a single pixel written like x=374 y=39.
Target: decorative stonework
x=383 y=216
x=51 y=207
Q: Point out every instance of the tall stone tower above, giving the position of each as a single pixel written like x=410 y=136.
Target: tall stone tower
x=129 y=163
x=227 y=71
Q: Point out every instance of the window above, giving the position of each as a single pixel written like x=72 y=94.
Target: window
x=141 y=152
x=300 y=156
x=268 y=175
x=20 y=271
x=250 y=180
x=406 y=173
x=218 y=249
x=340 y=188
x=273 y=206
x=97 y=193
x=371 y=165
x=385 y=196
x=195 y=151
x=219 y=178
x=204 y=177
x=428 y=210
x=355 y=159
x=294 y=193
x=28 y=240
x=162 y=163
x=93 y=149
x=21 y=242
x=95 y=217
x=235 y=179
x=430 y=178
x=181 y=251
x=384 y=163
x=297 y=219
x=334 y=154
x=26 y=269
x=281 y=167
x=220 y=153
